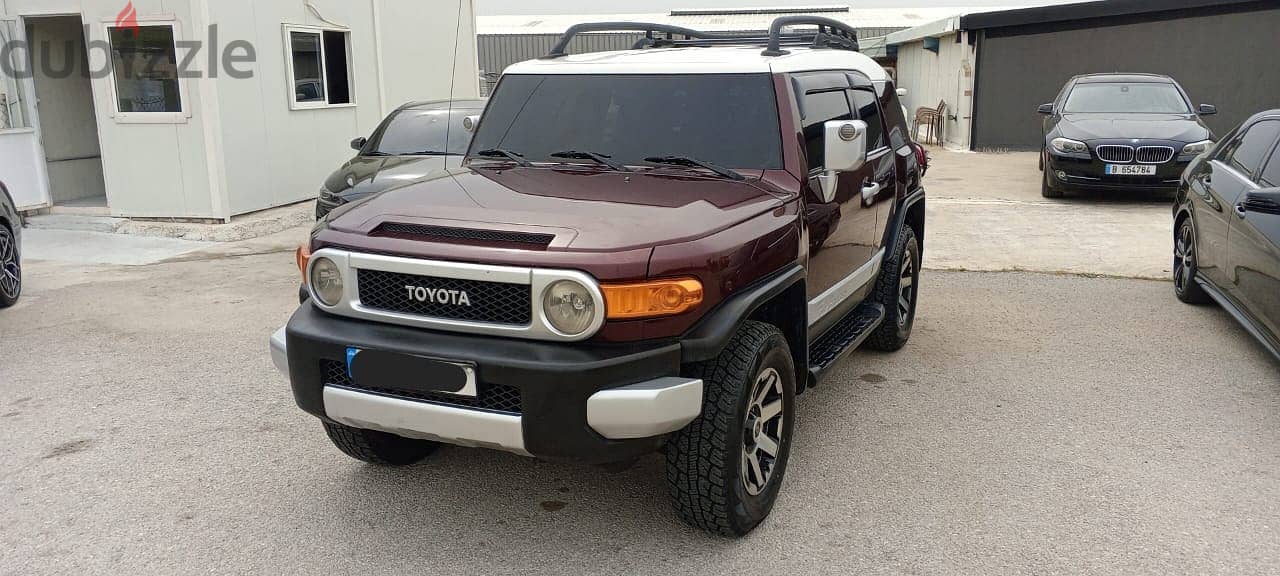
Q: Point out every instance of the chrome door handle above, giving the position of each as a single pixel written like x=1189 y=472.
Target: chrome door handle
x=870 y=191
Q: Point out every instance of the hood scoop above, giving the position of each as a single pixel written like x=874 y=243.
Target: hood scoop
x=429 y=233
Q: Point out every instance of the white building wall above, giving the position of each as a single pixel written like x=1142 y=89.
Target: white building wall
x=241 y=148
x=944 y=76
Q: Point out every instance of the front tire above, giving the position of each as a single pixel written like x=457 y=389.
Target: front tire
x=1185 y=286
x=1048 y=188
x=725 y=469
x=10 y=269
x=377 y=447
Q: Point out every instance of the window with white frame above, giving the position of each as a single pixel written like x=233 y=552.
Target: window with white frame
x=319 y=67
x=144 y=64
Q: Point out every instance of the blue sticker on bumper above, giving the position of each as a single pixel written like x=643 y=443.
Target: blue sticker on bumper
x=351 y=355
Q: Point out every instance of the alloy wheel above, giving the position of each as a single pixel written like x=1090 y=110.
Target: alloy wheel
x=10 y=269
x=906 y=289
x=1184 y=257
x=762 y=432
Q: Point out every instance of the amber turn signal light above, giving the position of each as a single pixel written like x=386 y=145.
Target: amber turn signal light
x=651 y=299
x=303 y=256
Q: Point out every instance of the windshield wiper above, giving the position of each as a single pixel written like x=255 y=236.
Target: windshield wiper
x=695 y=163
x=503 y=153
x=600 y=158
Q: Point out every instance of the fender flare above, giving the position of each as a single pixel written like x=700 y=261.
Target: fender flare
x=712 y=334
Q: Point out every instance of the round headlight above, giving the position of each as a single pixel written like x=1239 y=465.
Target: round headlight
x=326 y=281
x=569 y=307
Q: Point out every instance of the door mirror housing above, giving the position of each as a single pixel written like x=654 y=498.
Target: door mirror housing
x=358 y=143
x=470 y=122
x=1046 y=109
x=846 y=151
x=1208 y=109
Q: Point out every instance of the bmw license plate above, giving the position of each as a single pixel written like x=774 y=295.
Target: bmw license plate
x=1131 y=170
x=393 y=371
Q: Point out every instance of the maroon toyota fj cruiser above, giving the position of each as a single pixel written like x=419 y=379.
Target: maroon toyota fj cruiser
x=652 y=249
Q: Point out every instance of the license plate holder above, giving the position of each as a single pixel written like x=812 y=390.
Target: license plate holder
x=1131 y=170
x=395 y=371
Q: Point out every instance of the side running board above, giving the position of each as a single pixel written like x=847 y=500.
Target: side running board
x=843 y=338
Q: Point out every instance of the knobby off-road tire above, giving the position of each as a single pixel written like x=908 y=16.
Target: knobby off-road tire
x=378 y=447
x=748 y=409
x=1185 y=252
x=898 y=290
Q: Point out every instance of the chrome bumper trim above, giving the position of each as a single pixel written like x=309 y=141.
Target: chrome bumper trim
x=279 y=352
x=473 y=428
x=645 y=409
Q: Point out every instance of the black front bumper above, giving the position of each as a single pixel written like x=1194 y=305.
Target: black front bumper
x=1090 y=174
x=552 y=381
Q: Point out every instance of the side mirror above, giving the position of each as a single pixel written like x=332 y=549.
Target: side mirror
x=1046 y=109
x=358 y=143
x=902 y=92
x=470 y=122
x=846 y=151
x=1208 y=109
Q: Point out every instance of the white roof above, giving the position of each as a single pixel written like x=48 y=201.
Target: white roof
x=723 y=20
x=715 y=60
x=937 y=28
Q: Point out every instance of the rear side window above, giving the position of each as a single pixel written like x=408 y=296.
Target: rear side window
x=1247 y=153
x=1271 y=174
x=820 y=108
x=869 y=112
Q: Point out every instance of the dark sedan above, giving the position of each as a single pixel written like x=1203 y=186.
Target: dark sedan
x=1227 y=228
x=10 y=247
x=416 y=140
x=1120 y=131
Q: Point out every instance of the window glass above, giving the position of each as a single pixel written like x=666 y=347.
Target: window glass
x=820 y=108
x=869 y=112
x=1250 y=149
x=1136 y=98
x=1271 y=174
x=424 y=131
x=145 y=66
x=337 y=75
x=726 y=119
x=308 y=68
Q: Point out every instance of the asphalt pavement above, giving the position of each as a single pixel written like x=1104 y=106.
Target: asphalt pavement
x=1038 y=422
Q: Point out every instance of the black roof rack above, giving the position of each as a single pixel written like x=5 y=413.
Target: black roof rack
x=829 y=34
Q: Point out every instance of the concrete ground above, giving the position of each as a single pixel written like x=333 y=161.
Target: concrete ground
x=1036 y=423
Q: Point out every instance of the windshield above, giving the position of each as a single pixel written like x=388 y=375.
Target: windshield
x=422 y=131
x=726 y=119
x=1138 y=98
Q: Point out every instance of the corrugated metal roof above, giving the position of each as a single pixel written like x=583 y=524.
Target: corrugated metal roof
x=723 y=20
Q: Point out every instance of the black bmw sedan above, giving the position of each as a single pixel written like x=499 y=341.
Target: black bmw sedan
x=415 y=141
x=1120 y=131
x=1227 y=228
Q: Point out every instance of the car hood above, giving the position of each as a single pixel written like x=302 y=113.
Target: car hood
x=364 y=175
x=1176 y=127
x=584 y=209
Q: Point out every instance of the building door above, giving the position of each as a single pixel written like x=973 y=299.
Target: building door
x=22 y=165
x=64 y=101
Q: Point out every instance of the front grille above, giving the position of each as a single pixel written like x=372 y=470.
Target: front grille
x=1154 y=154
x=1116 y=153
x=489 y=302
x=426 y=232
x=495 y=397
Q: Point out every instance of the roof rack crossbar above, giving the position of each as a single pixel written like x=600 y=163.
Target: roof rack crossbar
x=829 y=33
x=650 y=30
